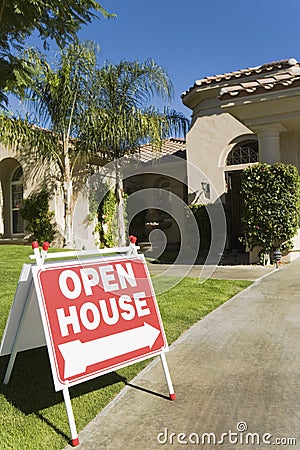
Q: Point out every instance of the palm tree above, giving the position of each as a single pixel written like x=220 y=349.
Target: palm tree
x=119 y=117
x=58 y=96
x=60 y=20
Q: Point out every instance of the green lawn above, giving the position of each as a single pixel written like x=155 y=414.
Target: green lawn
x=32 y=414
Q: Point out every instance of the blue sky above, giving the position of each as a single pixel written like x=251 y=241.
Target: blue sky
x=196 y=38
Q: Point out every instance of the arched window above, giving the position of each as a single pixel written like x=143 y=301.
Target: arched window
x=243 y=153
x=16 y=190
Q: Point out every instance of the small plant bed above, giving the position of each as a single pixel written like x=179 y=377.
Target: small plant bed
x=32 y=414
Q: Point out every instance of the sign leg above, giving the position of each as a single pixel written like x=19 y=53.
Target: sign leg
x=168 y=376
x=15 y=346
x=74 y=435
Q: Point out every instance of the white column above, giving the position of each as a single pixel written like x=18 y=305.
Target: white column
x=269 y=144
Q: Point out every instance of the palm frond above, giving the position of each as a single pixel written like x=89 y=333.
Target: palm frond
x=19 y=134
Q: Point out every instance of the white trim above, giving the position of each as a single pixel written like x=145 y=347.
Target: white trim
x=237 y=167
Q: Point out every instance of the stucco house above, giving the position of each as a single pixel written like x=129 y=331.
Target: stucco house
x=239 y=118
x=161 y=169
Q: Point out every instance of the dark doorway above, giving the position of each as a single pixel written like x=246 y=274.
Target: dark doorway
x=234 y=210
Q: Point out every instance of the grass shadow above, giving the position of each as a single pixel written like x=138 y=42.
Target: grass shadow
x=31 y=388
x=52 y=426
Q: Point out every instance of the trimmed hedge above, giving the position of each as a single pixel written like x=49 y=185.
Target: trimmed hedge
x=271 y=200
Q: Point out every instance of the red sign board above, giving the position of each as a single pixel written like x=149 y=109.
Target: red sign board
x=97 y=316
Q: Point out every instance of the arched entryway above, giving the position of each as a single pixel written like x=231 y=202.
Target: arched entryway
x=241 y=155
x=16 y=197
x=11 y=175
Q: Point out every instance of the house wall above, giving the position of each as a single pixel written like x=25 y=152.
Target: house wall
x=290 y=148
x=209 y=141
x=83 y=227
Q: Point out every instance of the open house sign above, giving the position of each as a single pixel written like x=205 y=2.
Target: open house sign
x=98 y=316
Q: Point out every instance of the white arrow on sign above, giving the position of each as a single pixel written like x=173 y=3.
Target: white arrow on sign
x=79 y=355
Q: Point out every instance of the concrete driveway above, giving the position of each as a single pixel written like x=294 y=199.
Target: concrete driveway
x=238 y=272
x=236 y=375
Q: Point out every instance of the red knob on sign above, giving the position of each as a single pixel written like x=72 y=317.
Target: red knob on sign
x=35 y=244
x=46 y=246
x=133 y=239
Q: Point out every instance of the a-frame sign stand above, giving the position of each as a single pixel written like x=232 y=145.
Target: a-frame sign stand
x=89 y=337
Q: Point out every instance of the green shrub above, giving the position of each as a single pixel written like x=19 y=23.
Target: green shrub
x=270 y=215
x=35 y=211
x=103 y=207
x=107 y=221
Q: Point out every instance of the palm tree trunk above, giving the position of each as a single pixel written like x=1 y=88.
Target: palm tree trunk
x=68 y=195
x=119 y=194
x=68 y=199
x=1 y=11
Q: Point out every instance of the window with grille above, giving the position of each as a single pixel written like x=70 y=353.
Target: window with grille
x=244 y=153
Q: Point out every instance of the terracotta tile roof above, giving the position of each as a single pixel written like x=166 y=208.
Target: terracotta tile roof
x=261 y=71
x=170 y=147
x=277 y=82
